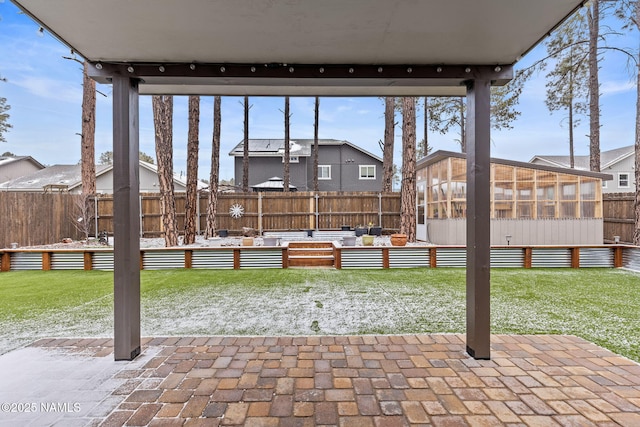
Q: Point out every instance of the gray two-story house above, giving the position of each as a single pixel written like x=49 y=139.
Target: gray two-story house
x=342 y=166
x=619 y=162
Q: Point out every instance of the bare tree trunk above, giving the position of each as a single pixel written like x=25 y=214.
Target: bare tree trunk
x=163 y=121
x=315 y=144
x=408 y=192
x=636 y=233
x=593 y=17
x=245 y=152
x=88 y=148
x=212 y=207
x=287 y=148
x=191 y=209
x=463 y=128
x=387 y=152
x=572 y=162
x=425 y=146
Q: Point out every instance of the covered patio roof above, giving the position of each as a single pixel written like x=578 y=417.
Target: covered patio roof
x=302 y=47
x=305 y=48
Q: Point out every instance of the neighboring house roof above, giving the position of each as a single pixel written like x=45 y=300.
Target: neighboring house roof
x=607 y=159
x=298 y=147
x=56 y=175
x=441 y=155
x=273 y=184
x=66 y=177
x=5 y=160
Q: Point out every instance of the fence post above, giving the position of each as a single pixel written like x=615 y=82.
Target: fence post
x=575 y=257
x=95 y=215
x=285 y=256
x=6 y=262
x=317 y=197
x=46 y=261
x=188 y=258
x=259 y=212
x=380 y=210
x=198 y=214
x=236 y=258
x=528 y=254
x=311 y=214
x=617 y=257
x=142 y=217
x=385 y=257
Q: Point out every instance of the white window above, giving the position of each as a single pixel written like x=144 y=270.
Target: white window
x=623 y=180
x=292 y=159
x=324 y=171
x=367 y=172
x=604 y=184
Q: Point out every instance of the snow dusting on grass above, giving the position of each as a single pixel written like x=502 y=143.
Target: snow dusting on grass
x=599 y=305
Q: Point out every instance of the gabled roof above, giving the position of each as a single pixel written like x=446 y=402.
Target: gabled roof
x=58 y=175
x=6 y=160
x=441 y=155
x=607 y=159
x=273 y=184
x=298 y=147
x=69 y=176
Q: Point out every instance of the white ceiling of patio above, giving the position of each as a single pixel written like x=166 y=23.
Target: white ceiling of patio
x=327 y=33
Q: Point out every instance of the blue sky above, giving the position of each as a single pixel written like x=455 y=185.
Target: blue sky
x=45 y=94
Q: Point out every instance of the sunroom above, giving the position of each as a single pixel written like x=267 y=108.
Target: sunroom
x=529 y=204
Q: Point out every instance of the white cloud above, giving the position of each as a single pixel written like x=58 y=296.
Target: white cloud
x=616 y=86
x=51 y=89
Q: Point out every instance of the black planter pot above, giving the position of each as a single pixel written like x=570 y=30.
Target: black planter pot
x=375 y=231
x=360 y=231
x=345 y=228
x=223 y=233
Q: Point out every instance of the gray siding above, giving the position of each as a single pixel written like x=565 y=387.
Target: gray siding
x=522 y=232
x=261 y=169
x=624 y=166
x=345 y=162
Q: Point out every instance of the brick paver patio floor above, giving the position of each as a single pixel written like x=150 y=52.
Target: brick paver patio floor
x=538 y=380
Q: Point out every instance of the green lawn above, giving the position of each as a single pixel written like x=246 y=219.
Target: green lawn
x=600 y=305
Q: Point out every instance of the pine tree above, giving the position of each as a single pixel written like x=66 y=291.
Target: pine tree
x=408 y=187
x=567 y=85
x=212 y=206
x=163 y=123
x=192 y=198
x=387 y=147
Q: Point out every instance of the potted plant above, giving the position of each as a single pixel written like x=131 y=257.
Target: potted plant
x=375 y=230
x=398 y=239
x=361 y=230
x=349 y=241
x=367 y=240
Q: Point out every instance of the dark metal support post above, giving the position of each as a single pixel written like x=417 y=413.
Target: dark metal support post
x=478 y=219
x=126 y=188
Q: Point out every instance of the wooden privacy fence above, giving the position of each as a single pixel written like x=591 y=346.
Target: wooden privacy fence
x=36 y=218
x=271 y=211
x=43 y=218
x=619 y=218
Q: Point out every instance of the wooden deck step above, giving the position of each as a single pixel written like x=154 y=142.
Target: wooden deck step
x=311 y=254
